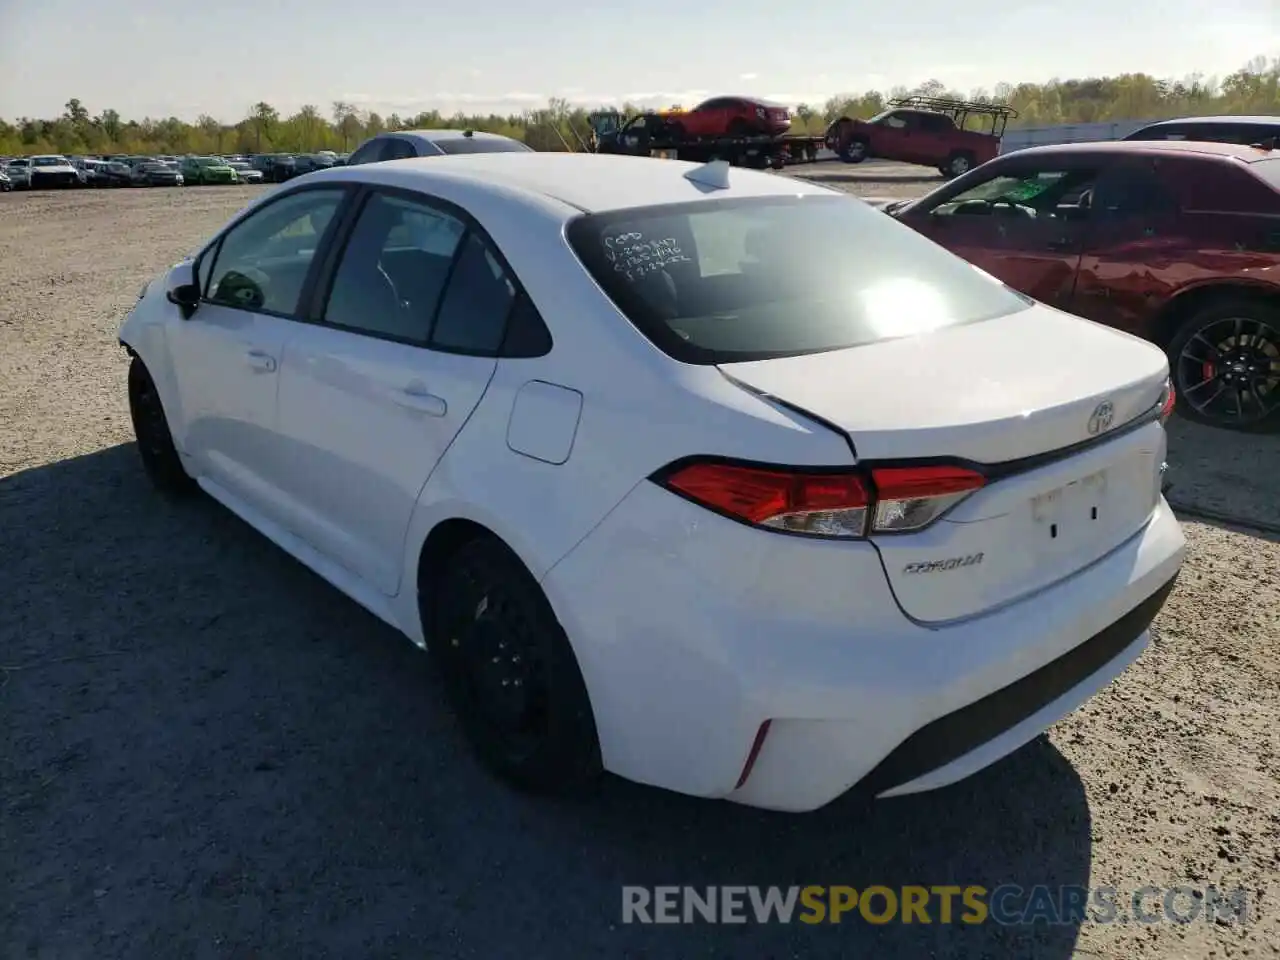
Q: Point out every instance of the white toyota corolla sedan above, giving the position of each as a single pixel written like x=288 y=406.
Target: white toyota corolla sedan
x=714 y=479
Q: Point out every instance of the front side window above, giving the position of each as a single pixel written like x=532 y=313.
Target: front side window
x=263 y=261
x=1026 y=193
x=719 y=281
x=394 y=269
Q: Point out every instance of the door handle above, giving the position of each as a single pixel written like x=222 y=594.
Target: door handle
x=419 y=399
x=260 y=360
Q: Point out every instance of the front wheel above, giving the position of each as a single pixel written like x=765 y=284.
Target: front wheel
x=151 y=429
x=958 y=164
x=855 y=151
x=1225 y=362
x=510 y=672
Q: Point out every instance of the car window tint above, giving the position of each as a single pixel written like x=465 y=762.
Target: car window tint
x=527 y=334
x=1130 y=191
x=1028 y=193
x=369 y=153
x=464 y=145
x=718 y=281
x=473 y=313
x=394 y=269
x=399 y=149
x=263 y=261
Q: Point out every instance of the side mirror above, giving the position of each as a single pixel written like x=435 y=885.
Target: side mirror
x=182 y=288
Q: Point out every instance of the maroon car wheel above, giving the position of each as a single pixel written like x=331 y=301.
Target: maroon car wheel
x=1225 y=361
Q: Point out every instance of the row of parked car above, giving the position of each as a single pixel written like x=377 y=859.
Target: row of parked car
x=56 y=170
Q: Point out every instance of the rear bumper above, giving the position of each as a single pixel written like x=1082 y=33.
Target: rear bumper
x=692 y=631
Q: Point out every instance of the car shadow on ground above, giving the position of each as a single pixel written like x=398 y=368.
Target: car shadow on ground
x=210 y=752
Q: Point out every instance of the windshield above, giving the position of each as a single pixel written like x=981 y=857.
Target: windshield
x=460 y=145
x=721 y=281
x=48 y=162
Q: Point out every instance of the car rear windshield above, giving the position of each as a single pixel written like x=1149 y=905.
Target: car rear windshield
x=461 y=145
x=719 y=281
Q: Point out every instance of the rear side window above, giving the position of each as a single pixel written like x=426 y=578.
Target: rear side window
x=399 y=149
x=459 y=145
x=473 y=313
x=371 y=152
x=719 y=281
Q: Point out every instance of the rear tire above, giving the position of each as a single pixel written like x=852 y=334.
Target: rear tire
x=151 y=429
x=1229 y=351
x=510 y=673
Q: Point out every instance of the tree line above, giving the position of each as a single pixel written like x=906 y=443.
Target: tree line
x=1253 y=89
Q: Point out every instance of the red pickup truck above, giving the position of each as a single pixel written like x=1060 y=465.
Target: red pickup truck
x=930 y=131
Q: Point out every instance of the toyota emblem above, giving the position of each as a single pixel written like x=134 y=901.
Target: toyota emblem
x=1100 y=419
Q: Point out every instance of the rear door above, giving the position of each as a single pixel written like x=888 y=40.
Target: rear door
x=372 y=393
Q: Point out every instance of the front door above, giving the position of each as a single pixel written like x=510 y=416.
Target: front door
x=1025 y=227
x=374 y=392
x=230 y=349
x=1130 y=249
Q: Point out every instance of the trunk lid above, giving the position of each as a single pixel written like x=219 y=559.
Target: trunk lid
x=1022 y=386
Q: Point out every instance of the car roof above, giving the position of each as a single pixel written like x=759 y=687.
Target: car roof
x=1239 y=151
x=590 y=182
x=1262 y=121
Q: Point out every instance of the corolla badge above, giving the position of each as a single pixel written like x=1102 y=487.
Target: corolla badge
x=1101 y=418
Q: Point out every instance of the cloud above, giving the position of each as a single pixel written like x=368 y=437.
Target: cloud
x=748 y=76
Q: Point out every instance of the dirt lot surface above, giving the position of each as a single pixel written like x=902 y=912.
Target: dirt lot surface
x=207 y=752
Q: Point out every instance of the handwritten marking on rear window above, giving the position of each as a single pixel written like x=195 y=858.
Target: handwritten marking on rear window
x=634 y=256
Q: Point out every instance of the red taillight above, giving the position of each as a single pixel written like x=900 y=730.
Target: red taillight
x=1168 y=400
x=828 y=504
x=911 y=498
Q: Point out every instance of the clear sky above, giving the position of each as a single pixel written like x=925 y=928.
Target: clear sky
x=186 y=57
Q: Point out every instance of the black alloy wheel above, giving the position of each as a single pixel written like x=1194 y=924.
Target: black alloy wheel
x=1226 y=366
x=510 y=672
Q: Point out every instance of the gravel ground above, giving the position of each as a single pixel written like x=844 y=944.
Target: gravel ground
x=207 y=752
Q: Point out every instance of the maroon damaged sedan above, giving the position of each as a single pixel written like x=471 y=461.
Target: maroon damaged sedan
x=1177 y=242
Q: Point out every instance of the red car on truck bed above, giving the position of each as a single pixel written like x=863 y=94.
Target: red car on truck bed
x=728 y=117
x=930 y=131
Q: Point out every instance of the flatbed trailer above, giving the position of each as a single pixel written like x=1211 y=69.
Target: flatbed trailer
x=647 y=134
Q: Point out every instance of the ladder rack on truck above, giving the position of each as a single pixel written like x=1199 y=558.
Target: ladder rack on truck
x=961 y=110
x=649 y=134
